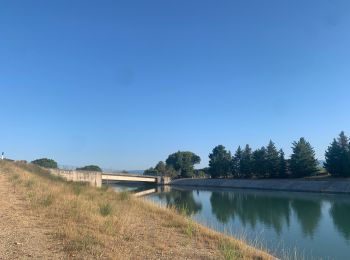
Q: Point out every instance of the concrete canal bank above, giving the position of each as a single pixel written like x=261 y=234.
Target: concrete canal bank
x=301 y=185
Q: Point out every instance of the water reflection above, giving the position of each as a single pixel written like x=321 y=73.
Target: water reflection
x=308 y=213
x=270 y=210
x=340 y=213
x=182 y=200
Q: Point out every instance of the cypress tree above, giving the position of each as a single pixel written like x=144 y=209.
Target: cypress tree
x=338 y=156
x=272 y=160
x=246 y=162
x=282 y=171
x=303 y=162
x=236 y=163
x=259 y=162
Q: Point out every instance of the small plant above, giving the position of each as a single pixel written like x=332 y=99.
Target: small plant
x=190 y=229
x=228 y=250
x=47 y=200
x=29 y=183
x=124 y=195
x=14 y=177
x=106 y=209
x=78 y=187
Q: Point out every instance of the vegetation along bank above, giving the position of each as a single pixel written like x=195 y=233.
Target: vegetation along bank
x=84 y=222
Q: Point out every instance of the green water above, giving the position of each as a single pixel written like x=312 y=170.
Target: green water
x=311 y=225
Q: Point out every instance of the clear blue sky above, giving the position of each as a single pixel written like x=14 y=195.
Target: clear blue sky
x=122 y=84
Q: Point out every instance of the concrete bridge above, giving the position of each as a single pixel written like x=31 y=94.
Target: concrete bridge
x=96 y=178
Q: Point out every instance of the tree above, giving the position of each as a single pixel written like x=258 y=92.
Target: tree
x=338 y=156
x=160 y=168
x=272 y=160
x=91 y=168
x=246 y=162
x=236 y=162
x=282 y=170
x=46 y=163
x=220 y=162
x=303 y=162
x=259 y=162
x=151 y=171
x=183 y=162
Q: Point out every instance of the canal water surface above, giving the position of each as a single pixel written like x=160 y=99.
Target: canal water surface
x=312 y=225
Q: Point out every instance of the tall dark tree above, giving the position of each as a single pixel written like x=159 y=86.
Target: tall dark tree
x=246 y=162
x=220 y=162
x=259 y=162
x=236 y=162
x=338 y=156
x=303 y=162
x=183 y=162
x=272 y=160
x=282 y=169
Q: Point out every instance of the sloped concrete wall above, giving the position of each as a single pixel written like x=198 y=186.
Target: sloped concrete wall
x=327 y=186
x=94 y=178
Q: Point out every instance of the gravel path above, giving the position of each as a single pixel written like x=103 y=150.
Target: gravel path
x=22 y=234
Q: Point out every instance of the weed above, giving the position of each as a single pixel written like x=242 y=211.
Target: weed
x=228 y=250
x=47 y=200
x=124 y=195
x=29 y=183
x=190 y=229
x=106 y=209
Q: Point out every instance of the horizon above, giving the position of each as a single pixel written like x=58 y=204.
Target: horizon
x=124 y=84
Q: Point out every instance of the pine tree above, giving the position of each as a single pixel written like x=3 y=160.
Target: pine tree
x=282 y=171
x=220 y=162
x=303 y=162
x=236 y=163
x=259 y=162
x=272 y=160
x=246 y=162
x=338 y=156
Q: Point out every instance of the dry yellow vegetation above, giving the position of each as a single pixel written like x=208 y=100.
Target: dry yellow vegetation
x=95 y=223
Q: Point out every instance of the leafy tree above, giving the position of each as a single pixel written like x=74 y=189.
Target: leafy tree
x=160 y=167
x=246 y=162
x=220 y=162
x=46 y=163
x=303 y=162
x=183 y=162
x=272 y=160
x=236 y=162
x=151 y=171
x=282 y=170
x=338 y=156
x=92 y=168
x=259 y=162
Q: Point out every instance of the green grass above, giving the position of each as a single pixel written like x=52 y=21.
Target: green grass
x=106 y=209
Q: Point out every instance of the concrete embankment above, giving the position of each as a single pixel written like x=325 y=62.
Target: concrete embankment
x=301 y=185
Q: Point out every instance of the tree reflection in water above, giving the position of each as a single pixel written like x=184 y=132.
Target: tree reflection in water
x=250 y=209
x=182 y=200
x=340 y=212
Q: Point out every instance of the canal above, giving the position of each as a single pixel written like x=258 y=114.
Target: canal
x=311 y=225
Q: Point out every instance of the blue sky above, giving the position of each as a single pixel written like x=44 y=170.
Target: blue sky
x=122 y=84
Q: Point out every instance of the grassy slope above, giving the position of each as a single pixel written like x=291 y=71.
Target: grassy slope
x=100 y=223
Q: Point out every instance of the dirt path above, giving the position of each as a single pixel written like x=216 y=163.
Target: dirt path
x=22 y=234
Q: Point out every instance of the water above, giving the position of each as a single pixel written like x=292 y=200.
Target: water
x=312 y=225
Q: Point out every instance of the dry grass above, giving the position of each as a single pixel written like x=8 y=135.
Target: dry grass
x=100 y=223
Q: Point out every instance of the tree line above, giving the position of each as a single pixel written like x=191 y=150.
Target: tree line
x=265 y=162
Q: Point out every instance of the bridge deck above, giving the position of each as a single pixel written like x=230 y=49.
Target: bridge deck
x=129 y=177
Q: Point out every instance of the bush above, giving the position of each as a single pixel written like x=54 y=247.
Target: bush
x=91 y=168
x=46 y=163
